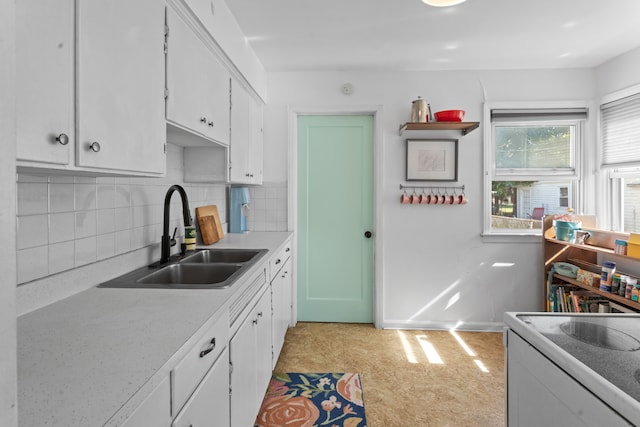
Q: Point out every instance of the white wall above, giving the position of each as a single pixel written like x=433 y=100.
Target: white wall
x=437 y=270
x=8 y=363
x=619 y=73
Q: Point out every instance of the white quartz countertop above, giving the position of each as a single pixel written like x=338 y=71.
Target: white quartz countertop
x=596 y=367
x=81 y=359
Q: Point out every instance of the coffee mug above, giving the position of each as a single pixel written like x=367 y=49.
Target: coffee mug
x=433 y=199
x=405 y=199
x=424 y=199
x=415 y=199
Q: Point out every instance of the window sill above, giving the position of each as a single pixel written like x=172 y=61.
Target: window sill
x=511 y=237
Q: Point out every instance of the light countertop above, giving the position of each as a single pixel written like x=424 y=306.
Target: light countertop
x=81 y=359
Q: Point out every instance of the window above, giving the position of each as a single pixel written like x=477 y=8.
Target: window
x=620 y=134
x=532 y=166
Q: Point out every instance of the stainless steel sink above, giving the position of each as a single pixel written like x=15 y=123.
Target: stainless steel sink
x=193 y=275
x=223 y=255
x=204 y=269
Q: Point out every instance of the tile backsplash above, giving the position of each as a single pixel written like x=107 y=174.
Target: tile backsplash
x=74 y=232
x=65 y=222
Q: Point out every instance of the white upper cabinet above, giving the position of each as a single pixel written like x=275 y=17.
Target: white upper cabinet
x=197 y=83
x=106 y=114
x=246 y=137
x=120 y=85
x=44 y=81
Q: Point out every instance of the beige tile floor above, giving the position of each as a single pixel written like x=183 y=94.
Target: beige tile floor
x=409 y=378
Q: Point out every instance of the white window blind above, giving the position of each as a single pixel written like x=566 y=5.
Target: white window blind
x=621 y=132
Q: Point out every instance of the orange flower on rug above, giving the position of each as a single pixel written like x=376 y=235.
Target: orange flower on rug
x=313 y=400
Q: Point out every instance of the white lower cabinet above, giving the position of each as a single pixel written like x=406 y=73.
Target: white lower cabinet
x=250 y=356
x=281 y=296
x=209 y=404
x=203 y=361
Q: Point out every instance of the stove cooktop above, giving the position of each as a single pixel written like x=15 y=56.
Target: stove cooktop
x=609 y=345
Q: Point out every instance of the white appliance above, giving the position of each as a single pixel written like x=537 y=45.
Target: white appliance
x=572 y=370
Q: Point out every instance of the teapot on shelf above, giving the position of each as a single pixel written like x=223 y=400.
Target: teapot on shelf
x=420 y=111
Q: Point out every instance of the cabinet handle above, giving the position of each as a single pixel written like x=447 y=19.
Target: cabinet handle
x=94 y=146
x=255 y=321
x=284 y=274
x=287 y=250
x=203 y=120
x=210 y=124
x=209 y=349
x=278 y=261
x=260 y=314
x=63 y=139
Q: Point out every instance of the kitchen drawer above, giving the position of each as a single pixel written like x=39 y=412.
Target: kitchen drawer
x=186 y=376
x=278 y=260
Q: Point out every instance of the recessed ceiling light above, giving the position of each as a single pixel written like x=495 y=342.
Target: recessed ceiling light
x=442 y=3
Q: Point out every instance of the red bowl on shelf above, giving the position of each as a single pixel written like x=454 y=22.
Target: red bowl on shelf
x=449 y=116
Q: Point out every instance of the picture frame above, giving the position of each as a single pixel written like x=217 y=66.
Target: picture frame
x=432 y=159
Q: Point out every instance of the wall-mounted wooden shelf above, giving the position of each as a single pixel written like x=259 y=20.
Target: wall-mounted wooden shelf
x=463 y=127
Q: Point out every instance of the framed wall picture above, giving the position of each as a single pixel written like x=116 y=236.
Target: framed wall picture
x=432 y=159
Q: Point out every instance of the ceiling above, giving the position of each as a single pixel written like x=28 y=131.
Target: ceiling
x=295 y=35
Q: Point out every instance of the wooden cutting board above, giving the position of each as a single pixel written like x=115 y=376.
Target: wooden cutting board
x=210 y=225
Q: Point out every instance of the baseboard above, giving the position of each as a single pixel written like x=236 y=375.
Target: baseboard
x=444 y=325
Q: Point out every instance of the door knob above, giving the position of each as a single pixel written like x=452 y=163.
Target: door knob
x=367 y=234
x=94 y=146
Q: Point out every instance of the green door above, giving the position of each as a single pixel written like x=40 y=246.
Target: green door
x=335 y=212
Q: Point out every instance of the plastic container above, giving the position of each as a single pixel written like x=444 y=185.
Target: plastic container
x=608 y=270
x=623 y=285
x=449 y=115
x=635 y=292
x=631 y=283
x=615 y=284
x=566 y=230
x=621 y=247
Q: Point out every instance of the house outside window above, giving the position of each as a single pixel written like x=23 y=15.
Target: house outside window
x=620 y=153
x=531 y=165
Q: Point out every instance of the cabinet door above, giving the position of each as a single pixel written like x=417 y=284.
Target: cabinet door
x=281 y=300
x=239 y=147
x=209 y=404
x=198 y=84
x=120 y=85
x=44 y=80
x=243 y=373
x=264 y=349
x=255 y=141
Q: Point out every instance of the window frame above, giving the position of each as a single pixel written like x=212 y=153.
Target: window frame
x=612 y=177
x=572 y=175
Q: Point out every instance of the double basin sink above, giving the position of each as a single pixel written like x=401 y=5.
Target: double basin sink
x=203 y=269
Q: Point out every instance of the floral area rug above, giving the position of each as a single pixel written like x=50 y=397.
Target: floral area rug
x=313 y=400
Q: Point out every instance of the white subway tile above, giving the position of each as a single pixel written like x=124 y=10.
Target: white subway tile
x=85 y=224
x=85 y=196
x=106 y=221
x=106 y=246
x=61 y=197
x=122 y=198
x=32 y=198
x=122 y=242
x=32 y=263
x=85 y=251
x=123 y=219
x=62 y=228
x=106 y=196
x=32 y=231
x=61 y=256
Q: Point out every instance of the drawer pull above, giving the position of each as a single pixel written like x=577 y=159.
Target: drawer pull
x=287 y=250
x=209 y=349
x=278 y=261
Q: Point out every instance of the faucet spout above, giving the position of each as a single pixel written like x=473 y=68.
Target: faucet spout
x=186 y=215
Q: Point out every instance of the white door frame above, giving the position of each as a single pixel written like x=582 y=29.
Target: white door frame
x=378 y=172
